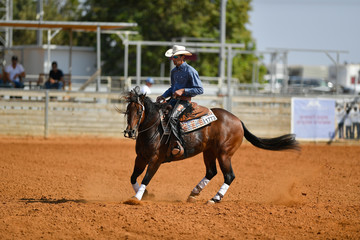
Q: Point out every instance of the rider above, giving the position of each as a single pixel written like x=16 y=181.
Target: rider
x=185 y=83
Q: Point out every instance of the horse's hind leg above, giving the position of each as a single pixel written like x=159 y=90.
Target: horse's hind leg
x=210 y=163
x=229 y=176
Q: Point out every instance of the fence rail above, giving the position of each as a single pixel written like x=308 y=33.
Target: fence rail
x=61 y=113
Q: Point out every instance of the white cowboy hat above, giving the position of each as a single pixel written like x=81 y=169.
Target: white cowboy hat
x=177 y=50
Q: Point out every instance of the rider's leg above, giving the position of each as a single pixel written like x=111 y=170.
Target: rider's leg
x=178 y=149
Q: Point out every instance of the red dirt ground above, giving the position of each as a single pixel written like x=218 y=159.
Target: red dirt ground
x=75 y=189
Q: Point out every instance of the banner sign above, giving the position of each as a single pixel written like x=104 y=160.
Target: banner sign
x=313 y=118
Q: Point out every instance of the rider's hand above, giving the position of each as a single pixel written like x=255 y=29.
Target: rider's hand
x=160 y=99
x=179 y=92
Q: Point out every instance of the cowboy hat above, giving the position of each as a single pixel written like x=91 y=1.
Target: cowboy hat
x=177 y=50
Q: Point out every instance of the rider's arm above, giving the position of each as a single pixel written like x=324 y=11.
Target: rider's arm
x=167 y=93
x=195 y=83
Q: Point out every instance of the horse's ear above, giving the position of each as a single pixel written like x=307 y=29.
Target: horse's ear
x=142 y=97
x=137 y=90
x=131 y=93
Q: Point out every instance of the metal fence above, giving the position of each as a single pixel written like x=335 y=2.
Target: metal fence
x=60 y=113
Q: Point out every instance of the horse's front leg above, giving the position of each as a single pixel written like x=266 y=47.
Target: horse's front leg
x=139 y=168
x=150 y=172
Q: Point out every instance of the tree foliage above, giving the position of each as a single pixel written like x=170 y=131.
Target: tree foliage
x=158 y=20
x=163 y=20
x=54 y=10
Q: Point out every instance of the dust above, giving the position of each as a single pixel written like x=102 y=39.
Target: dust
x=101 y=187
x=292 y=187
x=285 y=192
x=133 y=201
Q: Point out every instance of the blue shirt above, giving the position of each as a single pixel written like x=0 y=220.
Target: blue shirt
x=186 y=77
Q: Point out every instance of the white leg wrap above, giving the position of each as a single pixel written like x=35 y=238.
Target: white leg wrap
x=136 y=187
x=201 y=185
x=220 y=194
x=140 y=192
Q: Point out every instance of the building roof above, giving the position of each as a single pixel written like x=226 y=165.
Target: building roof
x=76 y=26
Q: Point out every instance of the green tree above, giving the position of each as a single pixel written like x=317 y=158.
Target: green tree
x=54 y=10
x=162 y=20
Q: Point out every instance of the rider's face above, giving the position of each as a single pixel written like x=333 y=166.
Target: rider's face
x=178 y=60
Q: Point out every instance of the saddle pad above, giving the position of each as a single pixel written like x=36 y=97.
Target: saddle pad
x=194 y=124
x=190 y=125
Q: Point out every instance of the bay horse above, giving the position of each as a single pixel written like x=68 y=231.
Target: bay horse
x=218 y=140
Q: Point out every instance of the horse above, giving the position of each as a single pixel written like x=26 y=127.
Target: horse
x=217 y=141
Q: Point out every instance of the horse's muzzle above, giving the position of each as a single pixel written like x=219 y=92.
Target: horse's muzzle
x=130 y=133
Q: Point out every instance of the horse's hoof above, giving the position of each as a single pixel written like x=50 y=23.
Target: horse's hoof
x=213 y=201
x=191 y=199
x=133 y=201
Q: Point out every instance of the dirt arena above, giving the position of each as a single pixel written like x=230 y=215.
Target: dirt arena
x=75 y=189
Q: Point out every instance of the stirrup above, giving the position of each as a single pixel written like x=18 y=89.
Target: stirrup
x=178 y=150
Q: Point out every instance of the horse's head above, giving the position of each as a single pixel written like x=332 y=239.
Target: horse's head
x=135 y=112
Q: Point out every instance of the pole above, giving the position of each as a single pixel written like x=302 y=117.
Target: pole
x=98 y=53
x=286 y=74
x=337 y=73
x=229 y=78
x=253 y=77
x=138 y=64
x=40 y=11
x=9 y=30
x=222 y=42
x=46 y=120
x=70 y=55
x=126 y=61
x=48 y=51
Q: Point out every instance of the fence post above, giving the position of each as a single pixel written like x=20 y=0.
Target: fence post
x=229 y=80
x=46 y=127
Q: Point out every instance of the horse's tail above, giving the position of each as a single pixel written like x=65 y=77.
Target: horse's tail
x=284 y=142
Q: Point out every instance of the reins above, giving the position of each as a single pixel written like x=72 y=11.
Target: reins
x=149 y=127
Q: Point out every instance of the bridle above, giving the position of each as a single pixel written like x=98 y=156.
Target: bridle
x=133 y=133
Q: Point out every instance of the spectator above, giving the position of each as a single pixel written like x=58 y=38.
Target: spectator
x=145 y=89
x=340 y=114
x=15 y=73
x=348 y=124
x=355 y=118
x=56 y=78
x=4 y=83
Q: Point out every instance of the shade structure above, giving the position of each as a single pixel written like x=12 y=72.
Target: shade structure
x=66 y=25
x=97 y=27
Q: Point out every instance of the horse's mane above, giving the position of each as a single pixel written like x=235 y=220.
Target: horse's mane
x=150 y=106
x=135 y=96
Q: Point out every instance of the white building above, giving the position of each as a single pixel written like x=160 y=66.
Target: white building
x=37 y=59
x=348 y=75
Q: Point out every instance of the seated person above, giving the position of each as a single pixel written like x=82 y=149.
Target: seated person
x=4 y=83
x=15 y=73
x=56 y=78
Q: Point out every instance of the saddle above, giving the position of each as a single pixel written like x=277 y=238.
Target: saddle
x=193 y=117
x=193 y=111
x=190 y=119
